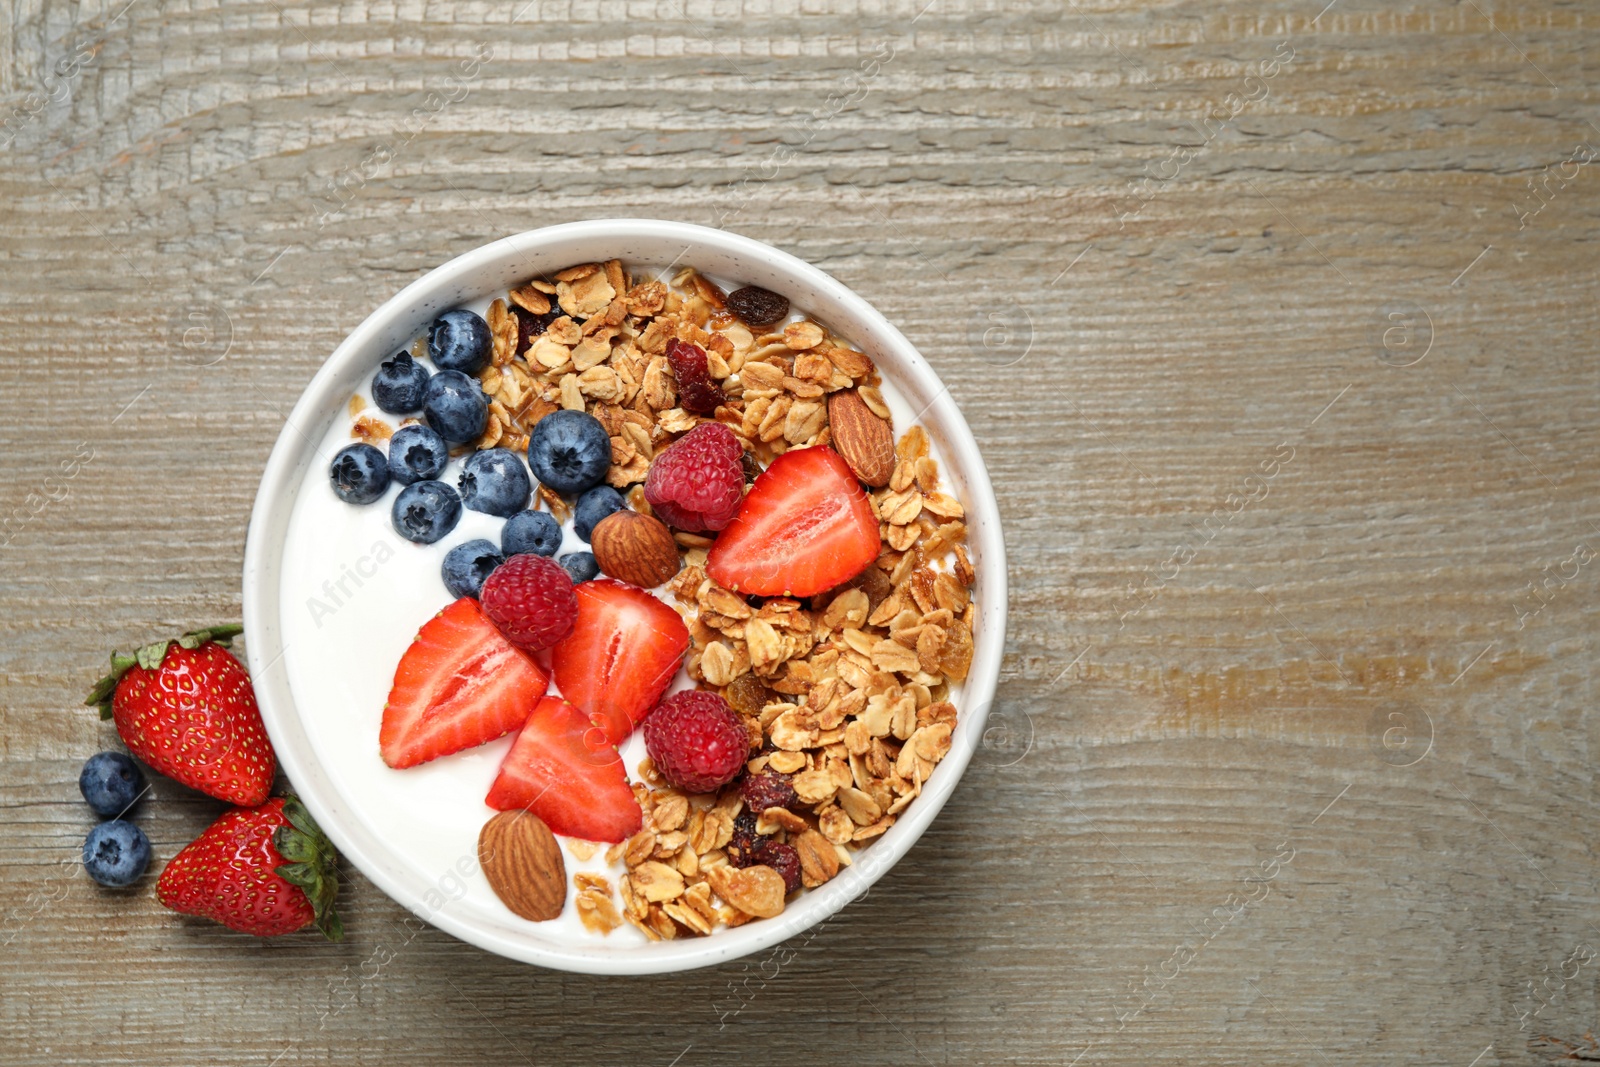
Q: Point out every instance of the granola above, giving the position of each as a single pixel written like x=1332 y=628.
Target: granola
x=845 y=694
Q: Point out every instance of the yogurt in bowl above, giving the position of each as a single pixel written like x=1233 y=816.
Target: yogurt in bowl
x=850 y=706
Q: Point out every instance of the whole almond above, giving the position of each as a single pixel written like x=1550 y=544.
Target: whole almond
x=864 y=440
x=522 y=862
x=635 y=548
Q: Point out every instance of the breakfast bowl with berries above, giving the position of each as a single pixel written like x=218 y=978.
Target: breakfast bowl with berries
x=625 y=596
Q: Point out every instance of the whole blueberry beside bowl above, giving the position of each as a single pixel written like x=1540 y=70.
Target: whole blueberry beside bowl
x=495 y=481
x=426 y=511
x=468 y=565
x=581 y=565
x=417 y=453
x=569 y=451
x=359 y=473
x=116 y=853
x=459 y=340
x=400 y=385
x=110 y=782
x=594 y=505
x=455 y=407
x=531 y=531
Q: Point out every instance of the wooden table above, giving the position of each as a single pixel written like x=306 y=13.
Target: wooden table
x=1288 y=396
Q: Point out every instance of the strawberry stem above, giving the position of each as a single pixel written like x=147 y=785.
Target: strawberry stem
x=150 y=656
x=313 y=866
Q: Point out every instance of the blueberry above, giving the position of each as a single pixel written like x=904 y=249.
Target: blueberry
x=569 y=451
x=467 y=566
x=459 y=340
x=455 y=406
x=426 y=511
x=416 y=453
x=116 y=853
x=580 y=565
x=110 y=782
x=595 y=505
x=399 y=385
x=360 y=474
x=531 y=531
x=495 y=481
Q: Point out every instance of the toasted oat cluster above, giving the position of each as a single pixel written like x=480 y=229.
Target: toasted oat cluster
x=844 y=694
x=595 y=341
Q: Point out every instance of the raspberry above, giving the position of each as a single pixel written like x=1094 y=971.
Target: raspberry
x=696 y=741
x=530 y=598
x=697 y=393
x=783 y=859
x=763 y=791
x=697 y=484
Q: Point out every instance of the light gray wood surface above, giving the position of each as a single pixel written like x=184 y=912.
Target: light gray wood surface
x=1338 y=687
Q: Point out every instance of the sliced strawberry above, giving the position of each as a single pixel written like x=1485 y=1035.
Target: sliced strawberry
x=806 y=525
x=460 y=684
x=565 y=772
x=622 y=652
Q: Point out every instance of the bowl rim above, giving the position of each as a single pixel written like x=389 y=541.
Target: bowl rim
x=265 y=651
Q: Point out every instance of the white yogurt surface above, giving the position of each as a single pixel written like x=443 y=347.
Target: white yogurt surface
x=354 y=594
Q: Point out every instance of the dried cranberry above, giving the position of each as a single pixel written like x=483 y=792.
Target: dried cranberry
x=757 y=306
x=783 y=859
x=530 y=325
x=763 y=791
x=697 y=393
x=745 y=842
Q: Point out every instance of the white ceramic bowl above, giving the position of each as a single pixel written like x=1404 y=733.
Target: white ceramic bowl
x=492 y=269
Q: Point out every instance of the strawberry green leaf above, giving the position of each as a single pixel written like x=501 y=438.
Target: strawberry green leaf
x=150 y=658
x=105 y=688
x=314 y=867
x=222 y=635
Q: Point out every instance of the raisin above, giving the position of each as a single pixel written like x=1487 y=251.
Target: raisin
x=763 y=791
x=783 y=859
x=530 y=325
x=751 y=466
x=876 y=584
x=757 y=306
x=872 y=581
x=748 y=696
x=697 y=393
x=745 y=842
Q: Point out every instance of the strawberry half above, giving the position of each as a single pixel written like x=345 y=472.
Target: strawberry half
x=564 y=771
x=266 y=870
x=460 y=684
x=806 y=525
x=187 y=708
x=622 y=652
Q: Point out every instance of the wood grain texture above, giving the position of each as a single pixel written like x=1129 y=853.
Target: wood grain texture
x=1206 y=667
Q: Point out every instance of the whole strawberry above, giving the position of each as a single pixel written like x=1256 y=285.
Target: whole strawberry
x=697 y=484
x=266 y=870
x=187 y=709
